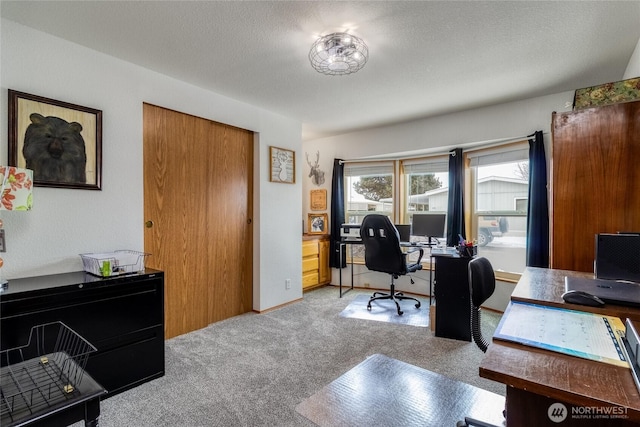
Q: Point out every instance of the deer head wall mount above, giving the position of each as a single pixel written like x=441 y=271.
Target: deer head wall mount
x=316 y=175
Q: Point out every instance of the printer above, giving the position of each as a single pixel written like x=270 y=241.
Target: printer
x=350 y=232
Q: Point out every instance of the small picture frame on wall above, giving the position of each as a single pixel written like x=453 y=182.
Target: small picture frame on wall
x=283 y=165
x=318 y=200
x=318 y=223
x=59 y=141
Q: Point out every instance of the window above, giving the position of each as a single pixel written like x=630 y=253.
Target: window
x=368 y=189
x=425 y=189
x=500 y=183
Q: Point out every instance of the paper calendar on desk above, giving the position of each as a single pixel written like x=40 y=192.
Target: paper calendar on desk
x=577 y=333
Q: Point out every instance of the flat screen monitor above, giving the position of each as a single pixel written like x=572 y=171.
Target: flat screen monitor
x=404 y=230
x=428 y=225
x=618 y=256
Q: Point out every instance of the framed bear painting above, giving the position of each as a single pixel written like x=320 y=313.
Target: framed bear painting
x=59 y=141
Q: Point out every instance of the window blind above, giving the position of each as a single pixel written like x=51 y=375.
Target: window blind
x=368 y=169
x=507 y=154
x=426 y=165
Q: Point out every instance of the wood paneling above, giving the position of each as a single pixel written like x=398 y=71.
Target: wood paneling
x=596 y=180
x=198 y=192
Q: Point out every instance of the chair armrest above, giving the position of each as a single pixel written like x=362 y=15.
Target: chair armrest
x=413 y=249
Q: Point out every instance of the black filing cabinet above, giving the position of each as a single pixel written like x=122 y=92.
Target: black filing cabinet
x=123 y=317
x=453 y=299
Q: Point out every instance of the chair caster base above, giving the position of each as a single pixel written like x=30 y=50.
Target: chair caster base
x=396 y=298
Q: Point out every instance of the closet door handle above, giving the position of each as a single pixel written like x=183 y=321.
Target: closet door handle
x=148 y=224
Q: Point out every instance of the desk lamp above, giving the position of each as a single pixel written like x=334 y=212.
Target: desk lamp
x=16 y=189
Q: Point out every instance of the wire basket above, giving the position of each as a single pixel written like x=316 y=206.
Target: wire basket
x=114 y=263
x=42 y=373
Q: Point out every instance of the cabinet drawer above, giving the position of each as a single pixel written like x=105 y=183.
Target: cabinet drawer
x=309 y=248
x=136 y=358
x=309 y=279
x=309 y=265
x=95 y=314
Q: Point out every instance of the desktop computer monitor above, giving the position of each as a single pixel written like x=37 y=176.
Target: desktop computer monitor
x=428 y=225
x=618 y=256
x=404 y=230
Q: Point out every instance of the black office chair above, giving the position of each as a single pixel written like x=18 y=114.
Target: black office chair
x=382 y=253
x=482 y=284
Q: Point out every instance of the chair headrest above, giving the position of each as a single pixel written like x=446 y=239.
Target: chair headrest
x=482 y=280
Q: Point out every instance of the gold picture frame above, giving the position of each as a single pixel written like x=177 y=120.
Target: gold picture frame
x=318 y=223
x=282 y=167
x=74 y=159
x=318 y=200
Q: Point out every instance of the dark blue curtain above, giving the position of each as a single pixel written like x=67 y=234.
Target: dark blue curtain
x=538 y=205
x=455 y=211
x=337 y=215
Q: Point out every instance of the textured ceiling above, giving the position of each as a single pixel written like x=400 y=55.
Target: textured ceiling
x=426 y=57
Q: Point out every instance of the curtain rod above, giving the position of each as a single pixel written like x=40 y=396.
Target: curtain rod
x=472 y=146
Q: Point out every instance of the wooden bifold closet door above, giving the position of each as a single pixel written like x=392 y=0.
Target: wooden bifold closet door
x=198 y=215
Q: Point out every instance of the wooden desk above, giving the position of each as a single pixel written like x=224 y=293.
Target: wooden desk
x=537 y=378
x=546 y=286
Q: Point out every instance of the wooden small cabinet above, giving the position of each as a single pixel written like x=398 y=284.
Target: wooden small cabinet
x=315 y=261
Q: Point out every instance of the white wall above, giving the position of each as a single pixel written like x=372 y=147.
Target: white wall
x=66 y=222
x=633 y=68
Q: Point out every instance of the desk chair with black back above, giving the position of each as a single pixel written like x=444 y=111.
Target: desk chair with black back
x=482 y=284
x=382 y=252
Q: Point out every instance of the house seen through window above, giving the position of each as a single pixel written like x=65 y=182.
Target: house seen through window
x=500 y=181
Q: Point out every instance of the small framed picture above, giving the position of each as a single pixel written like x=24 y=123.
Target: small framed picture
x=283 y=165
x=59 y=141
x=318 y=223
x=318 y=200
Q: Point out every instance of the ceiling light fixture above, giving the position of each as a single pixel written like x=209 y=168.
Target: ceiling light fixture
x=338 y=54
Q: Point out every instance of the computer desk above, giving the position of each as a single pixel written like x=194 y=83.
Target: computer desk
x=406 y=246
x=536 y=379
x=341 y=247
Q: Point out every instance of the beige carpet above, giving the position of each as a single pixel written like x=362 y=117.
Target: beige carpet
x=381 y=391
x=385 y=311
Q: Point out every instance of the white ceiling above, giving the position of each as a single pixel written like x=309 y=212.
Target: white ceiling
x=426 y=57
